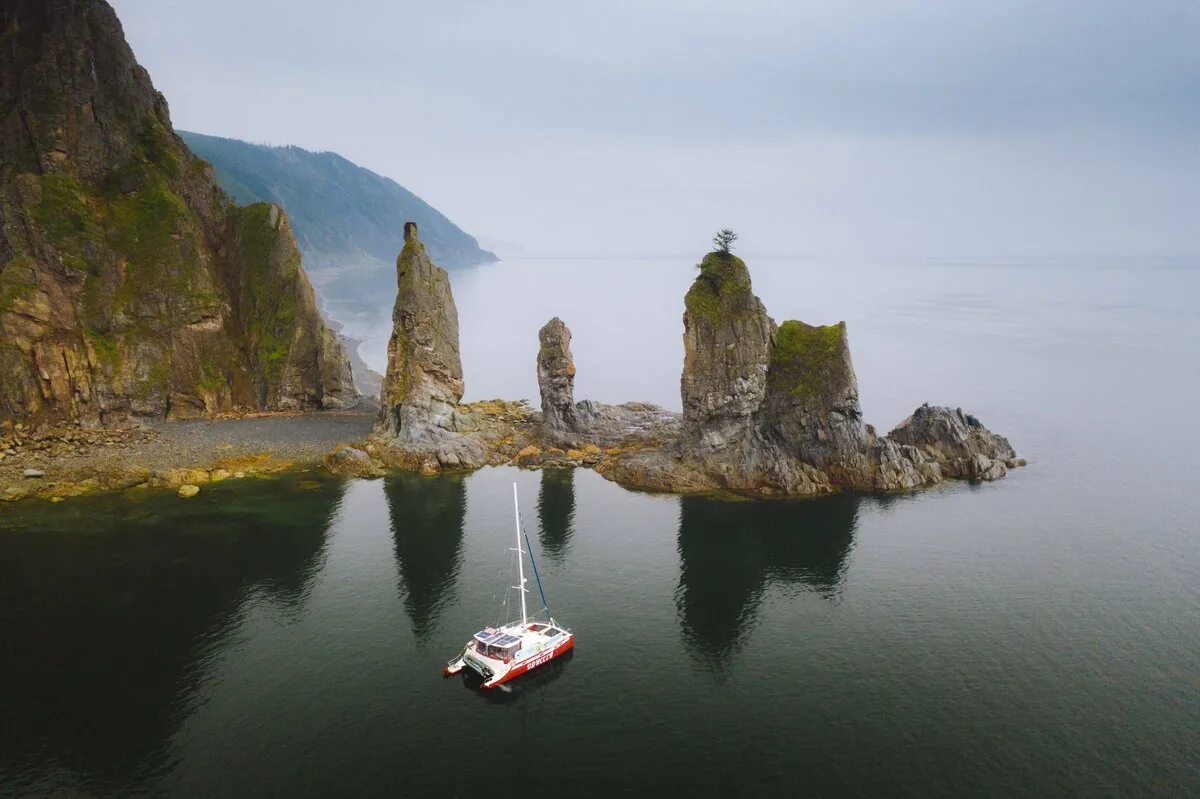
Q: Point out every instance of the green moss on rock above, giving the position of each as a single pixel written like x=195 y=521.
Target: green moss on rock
x=107 y=346
x=212 y=378
x=66 y=218
x=723 y=279
x=269 y=307
x=805 y=356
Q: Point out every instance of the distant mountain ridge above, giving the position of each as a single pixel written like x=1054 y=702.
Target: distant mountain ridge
x=340 y=211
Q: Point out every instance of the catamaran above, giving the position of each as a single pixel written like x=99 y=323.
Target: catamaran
x=505 y=652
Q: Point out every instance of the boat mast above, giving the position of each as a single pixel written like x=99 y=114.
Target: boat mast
x=520 y=560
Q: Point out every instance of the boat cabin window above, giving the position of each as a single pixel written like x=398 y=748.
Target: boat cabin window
x=495 y=644
x=550 y=632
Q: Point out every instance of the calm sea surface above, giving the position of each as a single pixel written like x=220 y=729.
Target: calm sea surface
x=1038 y=635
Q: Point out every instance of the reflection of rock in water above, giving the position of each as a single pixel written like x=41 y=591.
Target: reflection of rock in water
x=427 y=528
x=556 y=510
x=730 y=552
x=109 y=612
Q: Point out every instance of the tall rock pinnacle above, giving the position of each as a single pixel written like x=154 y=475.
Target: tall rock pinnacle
x=424 y=380
x=727 y=341
x=556 y=379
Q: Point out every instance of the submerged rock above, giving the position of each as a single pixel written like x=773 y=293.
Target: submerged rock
x=187 y=490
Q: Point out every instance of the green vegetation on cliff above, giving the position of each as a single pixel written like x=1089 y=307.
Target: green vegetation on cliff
x=804 y=355
x=723 y=278
x=66 y=219
x=132 y=248
x=268 y=283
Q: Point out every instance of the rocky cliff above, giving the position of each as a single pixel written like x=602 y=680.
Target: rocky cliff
x=129 y=284
x=774 y=410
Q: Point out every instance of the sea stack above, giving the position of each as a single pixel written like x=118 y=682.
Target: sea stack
x=775 y=411
x=556 y=380
x=727 y=344
x=419 y=417
x=130 y=286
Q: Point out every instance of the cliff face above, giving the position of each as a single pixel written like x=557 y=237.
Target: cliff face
x=129 y=285
x=297 y=362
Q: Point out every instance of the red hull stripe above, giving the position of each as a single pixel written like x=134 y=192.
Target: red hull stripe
x=535 y=662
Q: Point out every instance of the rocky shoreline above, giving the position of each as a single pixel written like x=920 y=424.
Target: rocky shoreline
x=768 y=411
x=70 y=460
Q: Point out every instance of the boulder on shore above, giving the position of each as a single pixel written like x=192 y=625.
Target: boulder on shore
x=348 y=461
x=958 y=442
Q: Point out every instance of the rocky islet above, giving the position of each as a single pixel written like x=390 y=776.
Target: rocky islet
x=768 y=410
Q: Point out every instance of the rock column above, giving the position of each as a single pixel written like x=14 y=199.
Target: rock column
x=556 y=380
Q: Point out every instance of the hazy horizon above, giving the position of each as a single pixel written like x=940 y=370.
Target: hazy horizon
x=949 y=129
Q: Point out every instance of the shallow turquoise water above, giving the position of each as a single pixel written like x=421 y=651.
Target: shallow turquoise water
x=1034 y=635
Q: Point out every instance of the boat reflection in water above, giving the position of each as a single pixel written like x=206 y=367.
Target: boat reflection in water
x=427 y=533
x=731 y=552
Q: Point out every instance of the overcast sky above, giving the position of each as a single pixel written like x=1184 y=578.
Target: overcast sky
x=945 y=127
